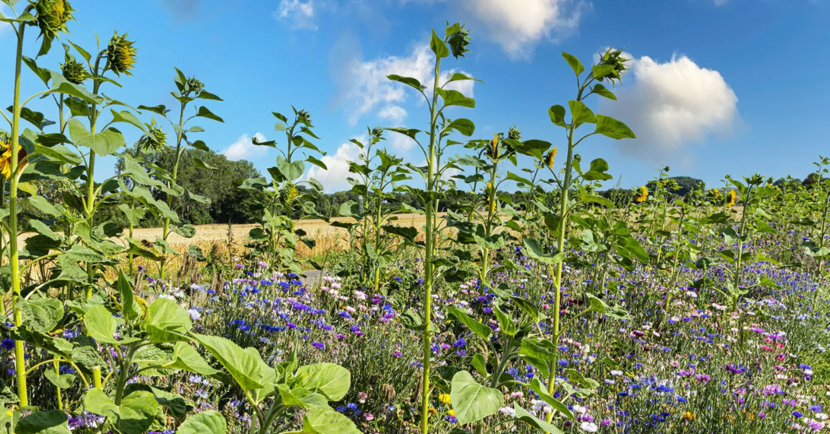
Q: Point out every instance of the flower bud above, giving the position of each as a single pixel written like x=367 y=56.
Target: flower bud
x=74 y=72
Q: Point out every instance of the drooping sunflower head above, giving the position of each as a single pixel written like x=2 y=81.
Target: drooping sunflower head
x=155 y=138
x=74 y=72
x=643 y=194
x=52 y=16
x=459 y=41
x=121 y=54
x=377 y=133
x=304 y=117
x=550 y=157
x=615 y=59
x=730 y=198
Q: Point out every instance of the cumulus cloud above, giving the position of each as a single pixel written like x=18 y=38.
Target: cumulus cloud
x=365 y=86
x=244 y=149
x=334 y=179
x=5 y=27
x=671 y=105
x=298 y=14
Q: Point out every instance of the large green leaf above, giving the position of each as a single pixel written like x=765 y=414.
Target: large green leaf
x=324 y=420
x=206 y=422
x=248 y=370
x=524 y=416
x=188 y=359
x=613 y=128
x=103 y=143
x=128 y=306
x=101 y=325
x=478 y=328
x=41 y=314
x=471 y=401
x=166 y=321
x=572 y=60
x=329 y=379
x=44 y=422
x=537 y=386
x=534 y=251
x=581 y=113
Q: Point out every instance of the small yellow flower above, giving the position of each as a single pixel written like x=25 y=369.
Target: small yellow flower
x=716 y=193
x=444 y=399
x=550 y=157
x=451 y=413
x=432 y=410
x=689 y=416
x=730 y=198
x=643 y=194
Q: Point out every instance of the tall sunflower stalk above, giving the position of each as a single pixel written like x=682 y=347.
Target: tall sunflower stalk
x=610 y=69
x=52 y=16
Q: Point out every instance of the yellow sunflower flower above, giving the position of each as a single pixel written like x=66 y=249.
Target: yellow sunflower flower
x=730 y=198
x=550 y=157
x=643 y=194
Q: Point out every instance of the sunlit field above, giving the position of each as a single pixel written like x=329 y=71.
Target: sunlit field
x=504 y=284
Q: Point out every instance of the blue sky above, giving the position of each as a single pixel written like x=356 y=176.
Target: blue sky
x=717 y=87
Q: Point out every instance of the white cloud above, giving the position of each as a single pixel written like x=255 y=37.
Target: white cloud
x=366 y=87
x=518 y=26
x=671 y=105
x=400 y=142
x=5 y=27
x=720 y=2
x=244 y=149
x=334 y=179
x=393 y=113
x=298 y=14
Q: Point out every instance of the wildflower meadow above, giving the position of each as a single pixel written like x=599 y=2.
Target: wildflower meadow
x=524 y=300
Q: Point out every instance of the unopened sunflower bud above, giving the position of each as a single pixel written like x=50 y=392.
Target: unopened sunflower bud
x=514 y=134
x=74 y=72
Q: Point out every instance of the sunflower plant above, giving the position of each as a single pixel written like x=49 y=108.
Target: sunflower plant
x=377 y=177
x=439 y=97
x=276 y=238
x=187 y=91
x=609 y=69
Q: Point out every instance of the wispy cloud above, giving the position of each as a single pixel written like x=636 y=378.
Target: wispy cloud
x=244 y=149
x=300 y=15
